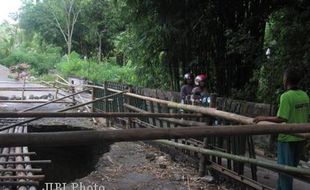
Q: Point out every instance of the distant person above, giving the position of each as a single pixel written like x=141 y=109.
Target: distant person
x=186 y=89
x=294 y=108
x=200 y=94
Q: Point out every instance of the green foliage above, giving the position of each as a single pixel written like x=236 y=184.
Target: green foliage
x=107 y=70
x=13 y=50
x=158 y=41
x=287 y=36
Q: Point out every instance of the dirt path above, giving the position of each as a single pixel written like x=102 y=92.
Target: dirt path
x=138 y=166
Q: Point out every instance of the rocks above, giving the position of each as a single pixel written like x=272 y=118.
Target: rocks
x=207 y=179
x=162 y=166
x=150 y=156
x=178 y=177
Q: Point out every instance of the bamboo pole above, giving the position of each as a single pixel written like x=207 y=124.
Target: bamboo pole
x=87 y=108
x=52 y=101
x=203 y=158
x=62 y=110
x=34 y=177
x=62 y=78
x=36 y=170
x=265 y=164
x=20 y=154
x=28 y=162
x=172 y=120
x=94 y=114
x=95 y=137
x=26 y=89
x=204 y=110
x=64 y=84
x=27 y=158
x=29 y=101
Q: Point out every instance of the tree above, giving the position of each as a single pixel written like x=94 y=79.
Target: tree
x=65 y=14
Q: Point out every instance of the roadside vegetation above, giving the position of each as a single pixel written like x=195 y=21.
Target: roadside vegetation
x=153 y=43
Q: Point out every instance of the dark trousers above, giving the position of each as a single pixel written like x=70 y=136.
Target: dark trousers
x=289 y=153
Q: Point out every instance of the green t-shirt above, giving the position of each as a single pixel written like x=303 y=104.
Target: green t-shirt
x=294 y=107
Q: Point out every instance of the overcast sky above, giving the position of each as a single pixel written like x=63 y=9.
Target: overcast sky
x=8 y=6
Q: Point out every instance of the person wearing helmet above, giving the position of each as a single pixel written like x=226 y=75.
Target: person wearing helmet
x=186 y=89
x=200 y=95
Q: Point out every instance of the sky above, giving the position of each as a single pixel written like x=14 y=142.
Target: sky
x=8 y=6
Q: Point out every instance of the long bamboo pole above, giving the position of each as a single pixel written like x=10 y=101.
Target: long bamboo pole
x=95 y=137
x=27 y=89
x=94 y=114
x=172 y=120
x=29 y=101
x=204 y=110
x=52 y=101
x=62 y=110
x=265 y=164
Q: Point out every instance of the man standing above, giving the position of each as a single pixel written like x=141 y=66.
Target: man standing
x=294 y=108
x=186 y=89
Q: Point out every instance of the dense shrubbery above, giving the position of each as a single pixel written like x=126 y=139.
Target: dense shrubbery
x=107 y=70
x=41 y=62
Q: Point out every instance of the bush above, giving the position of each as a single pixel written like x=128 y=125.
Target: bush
x=108 y=70
x=41 y=62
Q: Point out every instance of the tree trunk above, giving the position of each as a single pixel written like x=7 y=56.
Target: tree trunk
x=100 y=49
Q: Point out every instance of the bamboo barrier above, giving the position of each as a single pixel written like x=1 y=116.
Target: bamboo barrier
x=264 y=164
x=52 y=101
x=94 y=137
x=213 y=112
x=171 y=120
x=203 y=110
x=62 y=110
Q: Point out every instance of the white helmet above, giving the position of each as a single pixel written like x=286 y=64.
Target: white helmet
x=188 y=76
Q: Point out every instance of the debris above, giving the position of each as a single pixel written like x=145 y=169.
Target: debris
x=162 y=166
x=13 y=97
x=150 y=156
x=207 y=179
x=178 y=177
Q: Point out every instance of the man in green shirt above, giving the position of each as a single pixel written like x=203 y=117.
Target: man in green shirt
x=294 y=108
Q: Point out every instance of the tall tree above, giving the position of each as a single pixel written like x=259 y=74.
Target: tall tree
x=65 y=14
